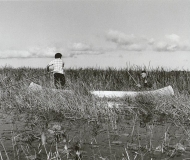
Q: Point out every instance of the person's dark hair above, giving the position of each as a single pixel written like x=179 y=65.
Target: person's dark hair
x=143 y=71
x=58 y=55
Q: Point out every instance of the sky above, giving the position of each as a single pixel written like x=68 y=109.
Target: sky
x=96 y=33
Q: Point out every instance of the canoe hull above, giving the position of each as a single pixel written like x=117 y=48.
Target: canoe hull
x=166 y=91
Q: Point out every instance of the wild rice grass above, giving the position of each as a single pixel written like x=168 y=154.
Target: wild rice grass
x=38 y=109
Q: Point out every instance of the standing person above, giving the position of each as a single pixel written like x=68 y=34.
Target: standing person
x=144 y=83
x=59 y=75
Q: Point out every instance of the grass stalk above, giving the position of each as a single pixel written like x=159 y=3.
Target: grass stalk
x=4 y=150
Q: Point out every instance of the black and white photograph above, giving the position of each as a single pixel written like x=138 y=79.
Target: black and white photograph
x=95 y=79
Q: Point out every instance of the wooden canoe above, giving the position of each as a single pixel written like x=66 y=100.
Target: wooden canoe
x=166 y=91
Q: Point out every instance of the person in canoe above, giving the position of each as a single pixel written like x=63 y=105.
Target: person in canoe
x=57 y=66
x=144 y=83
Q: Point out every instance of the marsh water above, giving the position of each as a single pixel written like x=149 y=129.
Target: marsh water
x=121 y=140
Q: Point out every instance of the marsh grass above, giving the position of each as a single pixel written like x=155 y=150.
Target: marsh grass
x=78 y=125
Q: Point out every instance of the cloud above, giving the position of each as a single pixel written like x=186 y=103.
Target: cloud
x=48 y=51
x=14 y=54
x=73 y=53
x=120 y=38
x=163 y=46
x=43 y=52
x=40 y=52
x=82 y=48
x=172 y=43
x=133 y=47
x=184 y=45
x=122 y=41
x=34 y=52
x=173 y=38
x=151 y=41
x=128 y=42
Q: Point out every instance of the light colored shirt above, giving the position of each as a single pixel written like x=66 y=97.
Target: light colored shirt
x=57 y=65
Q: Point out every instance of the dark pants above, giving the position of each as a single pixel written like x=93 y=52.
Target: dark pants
x=59 y=80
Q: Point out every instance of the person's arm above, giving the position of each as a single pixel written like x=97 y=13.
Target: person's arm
x=50 y=64
x=138 y=84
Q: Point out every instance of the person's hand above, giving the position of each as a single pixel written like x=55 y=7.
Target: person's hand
x=138 y=85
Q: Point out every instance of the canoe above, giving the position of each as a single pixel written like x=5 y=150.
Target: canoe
x=166 y=91
x=36 y=87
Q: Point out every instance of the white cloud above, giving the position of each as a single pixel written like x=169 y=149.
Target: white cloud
x=134 y=47
x=33 y=52
x=122 y=41
x=164 y=46
x=172 y=47
x=128 y=42
x=120 y=38
x=173 y=38
x=185 y=45
x=14 y=54
x=42 y=52
x=151 y=41
x=73 y=53
x=172 y=43
x=160 y=46
x=82 y=48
